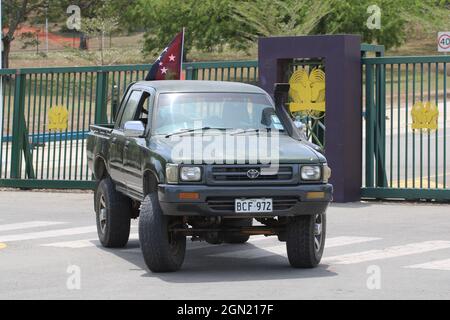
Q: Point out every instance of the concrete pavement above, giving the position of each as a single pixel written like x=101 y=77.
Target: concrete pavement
x=48 y=250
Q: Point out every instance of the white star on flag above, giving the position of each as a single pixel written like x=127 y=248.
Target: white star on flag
x=172 y=58
x=161 y=64
x=164 y=70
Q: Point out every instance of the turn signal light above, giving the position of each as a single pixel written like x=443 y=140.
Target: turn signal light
x=315 y=195
x=189 y=196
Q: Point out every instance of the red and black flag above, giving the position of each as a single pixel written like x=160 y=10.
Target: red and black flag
x=170 y=63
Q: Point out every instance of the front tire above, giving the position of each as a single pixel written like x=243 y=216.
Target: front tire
x=163 y=251
x=305 y=240
x=113 y=215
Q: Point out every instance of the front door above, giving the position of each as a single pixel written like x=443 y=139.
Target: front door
x=134 y=147
x=118 y=140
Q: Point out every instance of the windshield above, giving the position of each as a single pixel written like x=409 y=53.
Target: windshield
x=180 y=112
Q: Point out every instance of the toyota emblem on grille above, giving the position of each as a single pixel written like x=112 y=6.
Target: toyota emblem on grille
x=253 y=174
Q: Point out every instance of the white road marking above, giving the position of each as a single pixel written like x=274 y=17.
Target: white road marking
x=47 y=234
x=346 y=241
x=83 y=243
x=93 y=242
x=259 y=252
x=28 y=225
x=443 y=265
x=391 y=252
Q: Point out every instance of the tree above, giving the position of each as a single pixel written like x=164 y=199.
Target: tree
x=100 y=26
x=89 y=10
x=349 y=16
x=212 y=25
x=264 y=18
x=209 y=23
x=15 y=12
x=30 y=39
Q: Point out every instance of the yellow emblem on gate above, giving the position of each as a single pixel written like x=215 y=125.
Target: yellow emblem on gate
x=307 y=91
x=58 y=118
x=425 y=116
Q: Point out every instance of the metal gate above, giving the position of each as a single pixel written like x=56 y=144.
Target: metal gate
x=35 y=154
x=400 y=161
x=406 y=128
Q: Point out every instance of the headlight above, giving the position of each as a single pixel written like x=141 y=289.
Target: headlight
x=191 y=174
x=311 y=173
x=172 y=173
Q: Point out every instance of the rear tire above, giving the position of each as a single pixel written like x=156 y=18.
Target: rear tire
x=305 y=240
x=162 y=251
x=113 y=215
x=236 y=237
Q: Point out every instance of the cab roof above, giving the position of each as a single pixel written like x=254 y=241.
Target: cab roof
x=199 y=86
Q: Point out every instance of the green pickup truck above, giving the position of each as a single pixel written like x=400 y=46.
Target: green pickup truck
x=156 y=163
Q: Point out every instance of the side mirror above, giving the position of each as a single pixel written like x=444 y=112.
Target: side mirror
x=134 y=129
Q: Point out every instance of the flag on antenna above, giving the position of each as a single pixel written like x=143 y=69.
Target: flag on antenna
x=169 y=65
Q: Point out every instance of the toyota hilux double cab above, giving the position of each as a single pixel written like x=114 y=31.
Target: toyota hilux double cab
x=209 y=161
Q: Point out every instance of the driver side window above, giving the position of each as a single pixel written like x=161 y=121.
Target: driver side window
x=130 y=109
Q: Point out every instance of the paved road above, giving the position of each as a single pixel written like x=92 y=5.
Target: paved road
x=46 y=240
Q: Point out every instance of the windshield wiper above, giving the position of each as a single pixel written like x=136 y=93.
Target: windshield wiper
x=185 y=131
x=250 y=131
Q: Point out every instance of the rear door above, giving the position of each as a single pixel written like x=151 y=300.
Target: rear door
x=128 y=113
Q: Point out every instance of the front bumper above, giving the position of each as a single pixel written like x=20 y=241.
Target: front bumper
x=289 y=201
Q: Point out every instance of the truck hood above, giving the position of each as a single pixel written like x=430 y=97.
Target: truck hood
x=176 y=149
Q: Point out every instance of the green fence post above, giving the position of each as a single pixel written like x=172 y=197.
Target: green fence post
x=370 y=147
x=20 y=133
x=101 y=97
x=18 y=125
x=191 y=73
x=380 y=139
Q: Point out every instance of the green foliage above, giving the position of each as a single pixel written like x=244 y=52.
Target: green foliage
x=29 y=39
x=397 y=19
x=266 y=18
x=211 y=25
x=215 y=25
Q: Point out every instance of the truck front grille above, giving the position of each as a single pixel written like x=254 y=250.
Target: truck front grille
x=239 y=175
x=227 y=203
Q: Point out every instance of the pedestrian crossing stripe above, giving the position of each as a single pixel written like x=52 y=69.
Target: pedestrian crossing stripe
x=390 y=252
x=260 y=250
x=443 y=265
x=83 y=243
x=256 y=253
x=93 y=242
x=47 y=234
x=28 y=225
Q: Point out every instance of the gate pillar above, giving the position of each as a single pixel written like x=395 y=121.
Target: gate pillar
x=342 y=60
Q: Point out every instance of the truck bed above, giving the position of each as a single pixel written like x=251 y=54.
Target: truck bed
x=98 y=143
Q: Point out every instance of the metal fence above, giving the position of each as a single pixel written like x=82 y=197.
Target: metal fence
x=399 y=161
x=32 y=156
x=402 y=160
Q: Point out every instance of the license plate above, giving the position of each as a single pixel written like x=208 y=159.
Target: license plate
x=253 y=205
